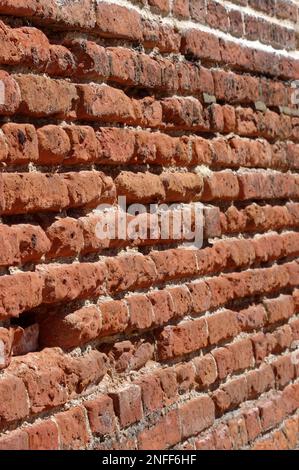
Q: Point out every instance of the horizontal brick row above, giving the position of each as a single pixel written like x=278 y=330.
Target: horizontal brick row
x=234 y=21
x=68 y=236
x=125 y=23
x=86 y=59
x=32 y=192
x=207 y=11
x=209 y=48
x=39 y=96
x=74 y=144
x=35 y=191
x=284 y=9
x=67 y=282
x=143 y=311
x=255 y=218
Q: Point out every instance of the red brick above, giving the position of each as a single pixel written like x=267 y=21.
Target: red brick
x=281 y=308
x=267 y=6
x=201 y=45
x=183 y=187
x=168 y=382
x=243 y=354
x=236 y=23
x=200 y=295
x=180 y=299
x=83 y=144
x=225 y=361
x=283 y=369
x=80 y=194
x=175 y=341
x=205 y=370
x=286 y=10
x=42 y=96
x=220 y=289
x=115 y=145
x=206 y=442
x=230 y=395
x=185 y=377
x=238 y=432
x=128 y=272
x=33 y=192
x=252 y=318
x=7 y=337
x=66 y=237
x=290 y=397
x=270 y=413
x=43 y=436
x=14 y=402
x=91 y=59
x=290 y=430
x=18 y=44
x=221 y=326
x=61 y=61
x=283 y=337
x=217 y=16
x=152 y=393
x=175 y=263
x=16 y=440
x=221 y=185
x=162 y=307
x=180 y=8
x=104 y=103
x=158 y=148
x=117 y=21
x=196 y=415
x=10 y=254
x=114 y=317
x=15 y=297
x=72 y=281
x=33 y=242
x=222 y=438
x=259 y=381
x=201 y=151
x=183 y=113
x=141 y=312
x=11 y=94
x=140 y=187
x=160 y=5
x=252 y=421
x=72 y=428
x=26 y=340
x=162 y=435
x=53 y=144
x=164 y=37
x=21 y=140
x=52 y=377
x=197 y=10
x=127 y=405
x=101 y=415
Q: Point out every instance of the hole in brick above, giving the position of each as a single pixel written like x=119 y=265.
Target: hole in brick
x=25 y=335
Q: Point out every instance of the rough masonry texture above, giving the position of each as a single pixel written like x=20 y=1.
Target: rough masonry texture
x=146 y=344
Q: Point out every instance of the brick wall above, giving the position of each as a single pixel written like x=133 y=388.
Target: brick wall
x=145 y=343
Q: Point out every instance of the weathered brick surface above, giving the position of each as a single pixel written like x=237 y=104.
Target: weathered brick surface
x=134 y=340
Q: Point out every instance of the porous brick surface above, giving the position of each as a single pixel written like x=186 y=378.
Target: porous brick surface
x=143 y=342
